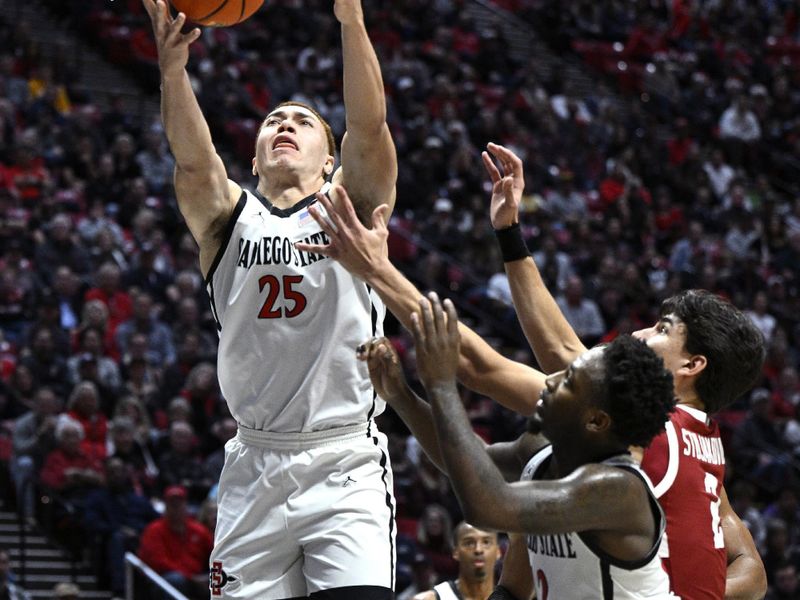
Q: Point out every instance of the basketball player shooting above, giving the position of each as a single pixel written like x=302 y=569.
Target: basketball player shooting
x=305 y=496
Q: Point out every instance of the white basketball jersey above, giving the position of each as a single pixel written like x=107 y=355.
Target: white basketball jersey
x=289 y=323
x=447 y=590
x=567 y=568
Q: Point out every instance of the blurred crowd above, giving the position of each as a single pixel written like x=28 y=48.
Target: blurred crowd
x=676 y=169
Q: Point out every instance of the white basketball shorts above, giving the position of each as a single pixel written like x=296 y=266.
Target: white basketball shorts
x=300 y=513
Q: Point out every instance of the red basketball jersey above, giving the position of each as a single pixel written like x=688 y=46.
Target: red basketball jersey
x=687 y=465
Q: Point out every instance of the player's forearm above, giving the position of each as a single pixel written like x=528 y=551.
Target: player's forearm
x=745 y=579
x=516 y=576
x=417 y=415
x=474 y=477
x=401 y=297
x=365 y=105
x=550 y=336
x=186 y=128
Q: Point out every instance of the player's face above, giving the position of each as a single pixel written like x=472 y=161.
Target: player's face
x=568 y=394
x=667 y=338
x=476 y=552
x=292 y=137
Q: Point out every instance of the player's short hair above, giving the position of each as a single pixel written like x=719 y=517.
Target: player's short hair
x=325 y=125
x=732 y=344
x=462 y=526
x=639 y=394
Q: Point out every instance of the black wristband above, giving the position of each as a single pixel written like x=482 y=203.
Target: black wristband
x=501 y=593
x=512 y=246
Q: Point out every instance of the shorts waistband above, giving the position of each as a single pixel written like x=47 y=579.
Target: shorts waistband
x=304 y=440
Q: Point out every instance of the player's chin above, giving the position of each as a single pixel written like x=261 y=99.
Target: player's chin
x=534 y=424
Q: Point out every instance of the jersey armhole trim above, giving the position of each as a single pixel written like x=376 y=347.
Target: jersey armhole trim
x=226 y=236
x=658 y=514
x=674 y=461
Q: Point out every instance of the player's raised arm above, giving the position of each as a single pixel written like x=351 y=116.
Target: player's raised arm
x=550 y=336
x=369 y=160
x=205 y=197
x=364 y=253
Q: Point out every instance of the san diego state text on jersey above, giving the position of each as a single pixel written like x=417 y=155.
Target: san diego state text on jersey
x=278 y=250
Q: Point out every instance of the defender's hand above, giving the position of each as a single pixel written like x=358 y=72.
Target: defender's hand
x=384 y=368
x=437 y=340
x=506 y=187
x=360 y=250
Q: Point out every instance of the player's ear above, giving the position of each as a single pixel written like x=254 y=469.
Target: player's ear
x=692 y=366
x=255 y=173
x=598 y=421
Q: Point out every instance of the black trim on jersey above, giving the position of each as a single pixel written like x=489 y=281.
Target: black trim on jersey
x=658 y=514
x=214 y=307
x=284 y=212
x=453 y=588
x=608 y=583
x=374 y=317
x=226 y=235
x=388 y=498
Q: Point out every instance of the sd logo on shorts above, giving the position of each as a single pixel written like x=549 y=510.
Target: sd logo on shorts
x=218 y=578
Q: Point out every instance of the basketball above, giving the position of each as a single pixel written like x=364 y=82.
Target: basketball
x=217 y=13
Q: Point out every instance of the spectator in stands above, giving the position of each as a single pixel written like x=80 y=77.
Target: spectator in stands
x=34 y=439
x=786 y=585
x=61 y=247
x=116 y=515
x=758 y=447
x=144 y=274
x=155 y=162
x=124 y=445
x=45 y=362
x=8 y=589
x=178 y=547
x=761 y=318
x=582 y=313
x=66 y=590
x=68 y=469
x=777 y=549
x=144 y=321
x=181 y=464
x=435 y=539
x=84 y=407
x=110 y=292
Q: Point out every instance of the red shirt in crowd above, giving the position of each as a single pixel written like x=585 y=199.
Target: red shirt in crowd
x=166 y=551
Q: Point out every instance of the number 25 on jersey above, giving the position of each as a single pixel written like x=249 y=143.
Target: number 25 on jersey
x=293 y=301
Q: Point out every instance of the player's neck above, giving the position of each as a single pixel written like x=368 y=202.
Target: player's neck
x=576 y=453
x=691 y=400
x=285 y=194
x=475 y=590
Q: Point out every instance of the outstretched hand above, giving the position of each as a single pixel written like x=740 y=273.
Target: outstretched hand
x=437 y=340
x=507 y=186
x=358 y=249
x=172 y=45
x=384 y=368
x=348 y=12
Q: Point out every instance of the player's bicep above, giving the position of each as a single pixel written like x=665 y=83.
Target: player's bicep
x=204 y=197
x=592 y=498
x=368 y=171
